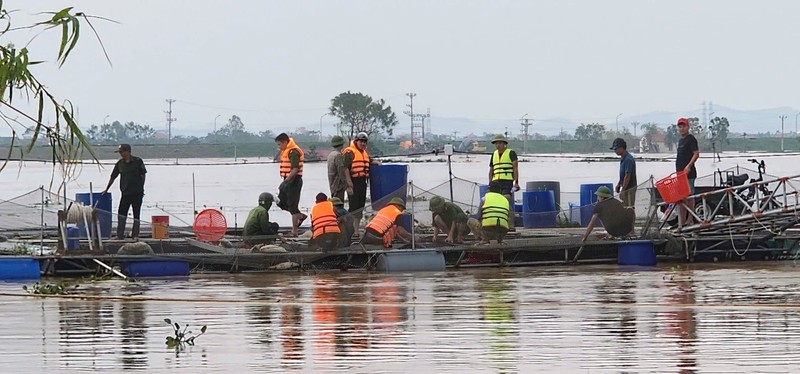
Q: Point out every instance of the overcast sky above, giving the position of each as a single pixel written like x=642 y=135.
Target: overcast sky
x=277 y=64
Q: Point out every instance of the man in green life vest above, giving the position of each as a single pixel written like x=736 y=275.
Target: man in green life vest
x=494 y=215
x=503 y=169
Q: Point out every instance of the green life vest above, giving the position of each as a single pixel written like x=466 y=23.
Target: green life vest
x=502 y=166
x=495 y=210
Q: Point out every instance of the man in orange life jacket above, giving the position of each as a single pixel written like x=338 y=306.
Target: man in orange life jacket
x=324 y=225
x=291 y=170
x=386 y=225
x=357 y=160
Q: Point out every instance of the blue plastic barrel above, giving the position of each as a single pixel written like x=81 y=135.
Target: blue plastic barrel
x=73 y=233
x=538 y=209
x=554 y=186
x=19 y=268
x=636 y=252
x=104 y=209
x=587 y=199
x=386 y=182
x=408 y=261
x=406 y=221
x=155 y=268
x=484 y=188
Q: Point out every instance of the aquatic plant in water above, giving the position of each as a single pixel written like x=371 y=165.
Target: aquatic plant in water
x=59 y=288
x=182 y=336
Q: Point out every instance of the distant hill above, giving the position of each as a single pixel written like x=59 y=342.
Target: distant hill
x=742 y=121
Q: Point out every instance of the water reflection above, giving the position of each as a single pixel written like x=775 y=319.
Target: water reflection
x=87 y=333
x=680 y=323
x=509 y=320
x=291 y=330
x=498 y=309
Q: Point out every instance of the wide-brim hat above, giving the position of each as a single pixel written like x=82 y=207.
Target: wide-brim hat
x=499 y=138
x=604 y=191
x=336 y=201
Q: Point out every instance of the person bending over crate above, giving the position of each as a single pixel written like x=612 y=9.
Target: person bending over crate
x=616 y=218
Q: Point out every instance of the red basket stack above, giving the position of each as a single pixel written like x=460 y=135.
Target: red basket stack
x=674 y=188
x=210 y=225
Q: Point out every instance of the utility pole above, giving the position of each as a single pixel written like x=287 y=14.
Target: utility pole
x=525 y=124
x=782 y=118
x=410 y=113
x=170 y=119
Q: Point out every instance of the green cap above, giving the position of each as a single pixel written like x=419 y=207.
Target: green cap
x=604 y=191
x=336 y=201
x=436 y=204
x=336 y=141
x=499 y=138
x=398 y=201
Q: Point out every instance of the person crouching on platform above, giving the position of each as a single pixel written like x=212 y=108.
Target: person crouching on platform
x=449 y=218
x=386 y=225
x=345 y=220
x=616 y=218
x=258 y=227
x=324 y=225
x=495 y=214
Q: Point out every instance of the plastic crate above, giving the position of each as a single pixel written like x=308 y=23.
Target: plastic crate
x=674 y=188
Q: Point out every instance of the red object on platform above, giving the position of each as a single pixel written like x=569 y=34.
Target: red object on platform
x=674 y=188
x=210 y=225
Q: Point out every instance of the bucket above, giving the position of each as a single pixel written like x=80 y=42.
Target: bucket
x=391 y=262
x=160 y=226
x=636 y=252
x=103 y=205
x=575 y=213
x=554 y=186
x=587 y=199
x=73 y=233
x=155 y=268
x=386 y=182
x=19 y=268
x=538 y=209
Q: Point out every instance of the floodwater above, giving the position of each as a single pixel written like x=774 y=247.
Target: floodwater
x=589 y=319
x=583 y=319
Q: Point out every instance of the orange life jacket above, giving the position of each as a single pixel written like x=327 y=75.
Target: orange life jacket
x=286 y=163
x=384 y=224
x=323 y=219
x=359 y=168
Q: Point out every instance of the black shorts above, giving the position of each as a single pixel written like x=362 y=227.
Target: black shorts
x=293 y=195
x=359 y=197
x=506 y=186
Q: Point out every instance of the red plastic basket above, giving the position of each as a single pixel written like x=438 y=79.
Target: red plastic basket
x=674 y=188
x=210 y=225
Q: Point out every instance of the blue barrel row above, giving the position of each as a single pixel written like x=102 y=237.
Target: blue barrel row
x=542 y=202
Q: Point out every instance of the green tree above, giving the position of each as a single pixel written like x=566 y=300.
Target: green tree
x=591 y=133
x=16 y=79
x=719 y=130
x=358 y=112
x=694 y=127
x=116 y=132
x=234 y=131
x=671 y=136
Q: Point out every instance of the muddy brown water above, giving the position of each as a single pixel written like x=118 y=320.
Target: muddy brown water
x=586 y=319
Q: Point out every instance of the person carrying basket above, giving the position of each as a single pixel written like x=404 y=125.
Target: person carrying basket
x=688 y=153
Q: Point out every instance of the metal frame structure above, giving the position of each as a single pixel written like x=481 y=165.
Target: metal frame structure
x=731 y=219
